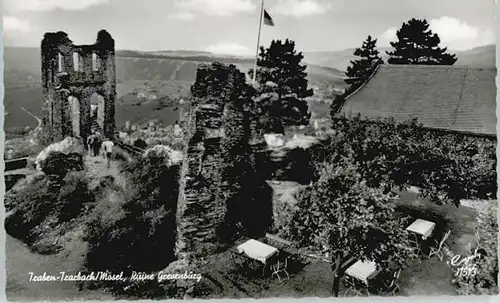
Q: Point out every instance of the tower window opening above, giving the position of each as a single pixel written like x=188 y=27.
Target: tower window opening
x=96 y=62
x=60 y=62
x=77 y=64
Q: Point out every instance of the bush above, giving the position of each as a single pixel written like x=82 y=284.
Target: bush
x=447 y=167
x=143 y=238
x=139 y=143
x=485 y=282
x=119 y=154
x=48 y=199
x=59 y=164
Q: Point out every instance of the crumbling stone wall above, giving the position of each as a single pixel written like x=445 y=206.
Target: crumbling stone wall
x=217 y=160
x=95 y=73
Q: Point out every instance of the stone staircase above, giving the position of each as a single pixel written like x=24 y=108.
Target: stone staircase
x=94 y=127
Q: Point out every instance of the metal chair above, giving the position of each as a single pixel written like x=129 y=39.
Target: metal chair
x=438 y=250
x=353 y=285
x=280 y=267
x=392 y=287
x=236 y=257
x=413 y=239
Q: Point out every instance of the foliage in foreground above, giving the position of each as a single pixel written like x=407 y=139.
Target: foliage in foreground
x=340 y=215
x=142 y=238
x=447 y=167
x=47 y=200
x=348 y=207
x=485 y=281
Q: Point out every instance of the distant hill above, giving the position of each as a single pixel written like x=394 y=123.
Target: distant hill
x=148 y=80
x=22 y=65
x=483 y=56
x=144 y=80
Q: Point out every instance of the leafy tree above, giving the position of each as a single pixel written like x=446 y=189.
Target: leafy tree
x=359 y=71
x=340 y=215
x=447 y=167
x=283 y=81
x=418 y=45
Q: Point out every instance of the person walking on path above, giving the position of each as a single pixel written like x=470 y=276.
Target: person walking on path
x=90 y=144
x=108 y=150
x=97 y=145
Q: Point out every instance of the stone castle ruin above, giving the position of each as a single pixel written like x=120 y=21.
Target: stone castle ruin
x=219 y=182
x=79 y=87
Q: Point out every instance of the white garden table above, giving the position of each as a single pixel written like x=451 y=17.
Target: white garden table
x=257 y=250
x=422 y=227
x=362 y=271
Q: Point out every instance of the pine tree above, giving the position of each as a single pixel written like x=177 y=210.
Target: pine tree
x=418 y=45
x=361 y=69
x=283 y=86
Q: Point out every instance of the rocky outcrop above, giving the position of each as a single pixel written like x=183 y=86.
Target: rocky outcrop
x=68 y=145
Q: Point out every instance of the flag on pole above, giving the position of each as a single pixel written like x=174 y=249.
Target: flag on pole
x=267 y=19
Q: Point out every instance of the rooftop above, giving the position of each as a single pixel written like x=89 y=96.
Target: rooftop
x=443 y=97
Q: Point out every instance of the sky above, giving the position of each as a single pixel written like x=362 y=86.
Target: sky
x=231 y=26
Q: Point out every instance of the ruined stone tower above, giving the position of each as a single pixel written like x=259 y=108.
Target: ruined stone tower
x=216 y=127
x=76 y=79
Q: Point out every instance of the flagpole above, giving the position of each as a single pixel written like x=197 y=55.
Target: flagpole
x=258 y=42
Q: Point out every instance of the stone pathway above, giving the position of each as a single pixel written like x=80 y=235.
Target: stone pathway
x=96 y=167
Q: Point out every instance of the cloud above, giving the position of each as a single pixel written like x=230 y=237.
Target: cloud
x=229 y=48
x=49 y=5
x=183 y=16
x=389 y=34
x=216 y=7
x=14 y=26
x=454 y=34
x=300 y=8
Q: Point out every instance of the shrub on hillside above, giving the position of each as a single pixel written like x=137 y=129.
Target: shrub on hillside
x=59 y=164
x=142 y=239
x=139 y=143
x=119 y=154
x=44 y=199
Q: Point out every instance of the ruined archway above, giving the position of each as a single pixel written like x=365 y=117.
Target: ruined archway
x=80 y=71
x=75 y=116
x=97 y=110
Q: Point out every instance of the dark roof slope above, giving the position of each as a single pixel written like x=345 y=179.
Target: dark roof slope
x=444 y=97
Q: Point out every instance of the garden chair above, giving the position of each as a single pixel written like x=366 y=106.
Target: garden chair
x=351 y=284
x=236 y=257
x=438 y=250
x=478 y=238
x=280 y=267
x=471 y=248
x=392 y=287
